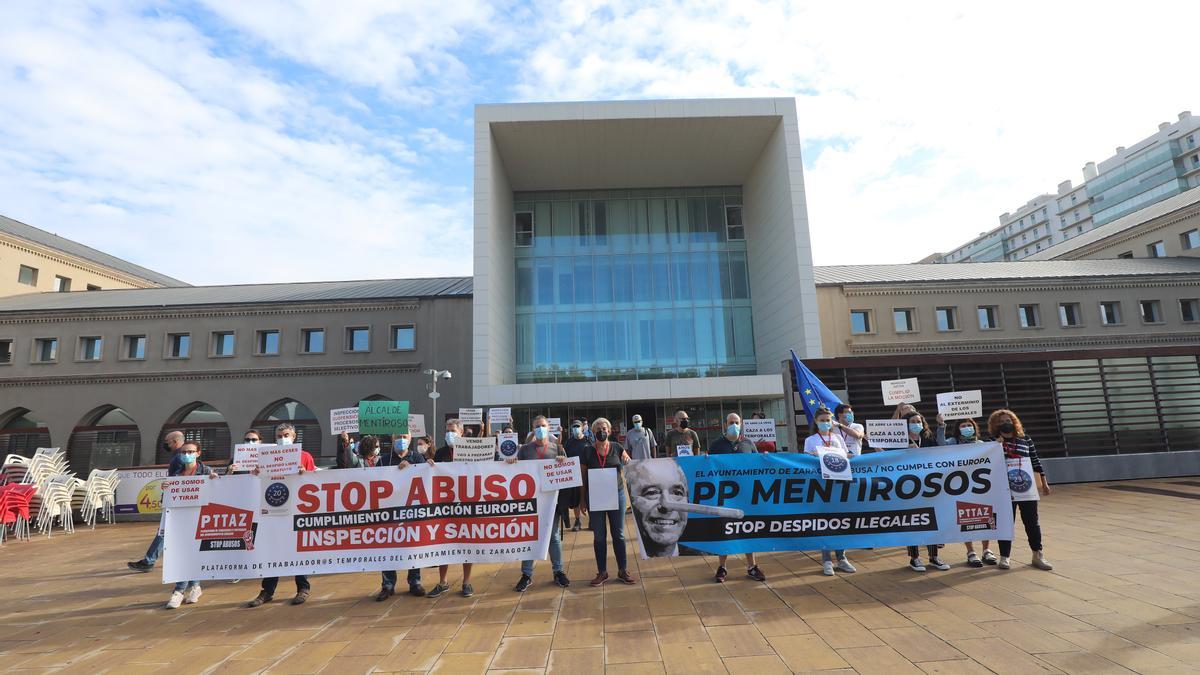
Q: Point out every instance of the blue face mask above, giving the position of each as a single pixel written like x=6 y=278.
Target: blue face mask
x=849 y=418
x=915 y=428
x=541 y=433
x=824 y=426
x=967 y=432
x=401 y=444
x=733 y=430
x=451 y=437
x=189 y=458
x=637 y=425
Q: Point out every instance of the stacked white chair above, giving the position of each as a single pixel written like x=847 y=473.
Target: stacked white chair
x=100 y=496
x=16 y=467
x=56 y=503
x=45 y=464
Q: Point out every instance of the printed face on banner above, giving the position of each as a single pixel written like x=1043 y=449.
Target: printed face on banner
x=658 y=491
x=343 y=420
x=508 y=445
x=470 y=415
x=960 y=405
x=383 y=417
x=896 y=392
x=886 y=434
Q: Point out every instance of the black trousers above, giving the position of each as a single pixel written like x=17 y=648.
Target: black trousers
x=915 y=552
x=1033 y=530
x=269 y=584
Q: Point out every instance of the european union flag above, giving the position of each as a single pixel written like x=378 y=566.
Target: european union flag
x=813 y=392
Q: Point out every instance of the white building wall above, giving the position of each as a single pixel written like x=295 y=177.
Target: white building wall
x=494 y=332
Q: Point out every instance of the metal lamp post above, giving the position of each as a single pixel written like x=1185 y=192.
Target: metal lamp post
x=433 y=394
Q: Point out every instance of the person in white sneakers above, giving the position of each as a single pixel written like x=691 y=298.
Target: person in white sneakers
x=188 y=592
x=1022 y=457
x=965 y=431
x=823 y=436
x=920 y=436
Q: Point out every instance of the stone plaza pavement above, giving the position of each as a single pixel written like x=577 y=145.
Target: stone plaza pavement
x=1124 y=596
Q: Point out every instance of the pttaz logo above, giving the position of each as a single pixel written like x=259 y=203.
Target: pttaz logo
x=225 y=528
x=972 y=517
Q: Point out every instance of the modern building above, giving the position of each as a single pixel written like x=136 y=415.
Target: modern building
x=1154 y=169
x=1165 y=229
x=105 y=375
x=33 y=260
x=639 y=257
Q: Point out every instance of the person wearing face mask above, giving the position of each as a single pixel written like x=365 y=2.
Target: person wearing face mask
x=253 y=438
x=848 y=430
x=172 y=442
x=919 y=436
x=640 y=440
x=367 y=454
x=824 y=436
x=606 y=453
x=285 y=434
x=188 y=592
x=682 y=434
x=733 y=443
x=404 y=454
x=346 y=447
x=454 y=430
x=1004 y=426
x=576 y=446
x=959 y=433
x=543 y=447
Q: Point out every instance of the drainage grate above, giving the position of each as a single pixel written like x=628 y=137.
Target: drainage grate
x=1153 y=491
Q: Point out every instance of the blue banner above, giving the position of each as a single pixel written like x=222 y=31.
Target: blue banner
x=727 y=504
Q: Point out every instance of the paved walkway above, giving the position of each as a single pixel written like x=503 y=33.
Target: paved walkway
x=1124 y=595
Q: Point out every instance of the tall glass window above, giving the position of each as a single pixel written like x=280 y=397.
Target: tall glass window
x=632 y=284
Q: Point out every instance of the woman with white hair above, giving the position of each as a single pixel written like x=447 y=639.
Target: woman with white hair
x=606 y=453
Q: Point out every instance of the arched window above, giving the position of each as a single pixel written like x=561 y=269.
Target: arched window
x=308 y=427
x=105 y=438
x=201 y=424
x=22 y=433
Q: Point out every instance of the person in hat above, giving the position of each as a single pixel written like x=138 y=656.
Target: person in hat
x=639 y=441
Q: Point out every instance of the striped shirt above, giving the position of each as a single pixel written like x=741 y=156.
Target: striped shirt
x=1022 y=446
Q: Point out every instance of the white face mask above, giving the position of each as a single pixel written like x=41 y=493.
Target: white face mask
x=284 y=440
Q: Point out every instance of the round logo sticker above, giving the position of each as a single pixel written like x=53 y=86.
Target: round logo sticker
x=508 y=448
x=1019 y=481
x=835 y=463
x=276 y=494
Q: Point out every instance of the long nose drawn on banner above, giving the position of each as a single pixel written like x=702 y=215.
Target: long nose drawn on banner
x=700 y=509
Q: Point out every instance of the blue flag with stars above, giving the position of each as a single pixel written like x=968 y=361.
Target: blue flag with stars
x=812 y=391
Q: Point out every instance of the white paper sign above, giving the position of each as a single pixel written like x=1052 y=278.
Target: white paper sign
x=555 y=425
x=901 y=391
x=834 y=464
x=509 y=444
x=475 y=449
x=499 y=416
x=759 y=430
x=416 y=425
x=887 y=433
x=180 y=492
x=279 y=460
x=959 y=405
x=470 y=415
x=556 y=476
x=602 y=490
x=245 y=456
x=1021 y=482
x=343 y=420
x=683 y=451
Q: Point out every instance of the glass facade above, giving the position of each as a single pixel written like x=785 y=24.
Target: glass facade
x=631 y=284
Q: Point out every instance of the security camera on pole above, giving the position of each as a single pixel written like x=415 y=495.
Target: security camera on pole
x=433 y=394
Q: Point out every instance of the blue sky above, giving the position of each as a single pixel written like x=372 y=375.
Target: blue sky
x=227 y=141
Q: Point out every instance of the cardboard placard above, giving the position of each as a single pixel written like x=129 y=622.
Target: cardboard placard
x=343 y=420
x=759 y=430
x=886 y=434
x=1021 y=482
x=416 y=425
x=179 y=492
x=381 y=418
x=834 y=464
x=498 y=417
x=509 y=444
x=960 y=405
x=684 y=451
x=555 y=425
x=470 y=415
x=558 y=476
x=279 y=460
x=245 y=456
x=475 y=449
x=602 y=490
x=896 y=392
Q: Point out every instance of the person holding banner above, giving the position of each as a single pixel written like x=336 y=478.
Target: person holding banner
x=454 y=430
x=577 y=446
x=965 y=431
x=543 y=447
x=823 y=438
x=733 y=442
x=852 y=434
x=919 y=436
x=188 y=592
x=172 y=442
x=285 y=434
x=402 y=456
x=607 y=454
x=1022 y=458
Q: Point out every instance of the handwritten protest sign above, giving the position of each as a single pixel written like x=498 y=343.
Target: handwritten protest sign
x=901 y=391
x=279 y=460
x=555 y=425
x=759 y=430
x=887 y=433
x=245 y=456
x=470 y=415
x=958 y=405
x=343 y=420
x=383 y=417
x=498 y=417
x=557 y=476
x=416 y=425
x=475 y=449
x=182 y=491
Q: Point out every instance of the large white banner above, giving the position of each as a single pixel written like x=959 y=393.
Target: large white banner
x=359 y=520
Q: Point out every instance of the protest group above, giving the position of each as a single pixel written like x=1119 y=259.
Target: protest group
x=489 y=493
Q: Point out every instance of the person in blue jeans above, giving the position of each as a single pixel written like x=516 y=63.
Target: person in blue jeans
x=188 y=592
x=402 y=456
x=543 y=447
x=606 y=453
x=172 y=442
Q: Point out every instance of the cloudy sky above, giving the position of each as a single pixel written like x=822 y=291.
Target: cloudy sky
x=227 y=141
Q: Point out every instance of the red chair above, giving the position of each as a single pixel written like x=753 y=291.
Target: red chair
x=16 y=511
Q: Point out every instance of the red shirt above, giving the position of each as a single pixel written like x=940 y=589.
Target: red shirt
x=306 y=461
